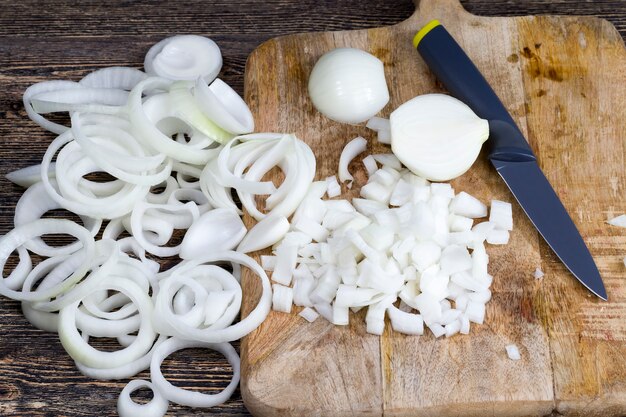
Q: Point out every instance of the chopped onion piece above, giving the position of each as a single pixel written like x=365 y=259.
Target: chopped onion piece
x=309 y=314
x=425 y=254
x=404 y=322
x=388 y=160
x=303 y=285
x=513 y=352
x=498 y=237
x=282 y=298
x=501 y=215
x=378 y=123
x=619 y=221
x=475 y=312
x=334 y=189
x=437 y=329
x=220 y=103
x=460 y=223
x=384 y=136
x=325 y=310
x=466 y=205
x=341 y=315
x=538 y=274
x=455 y=258
x=264 y=234
x=286 y=257
x=349 y=152
x=268 y=262
x=370 y=164
x=452 y=328
x=316 y=231
x=377 y=192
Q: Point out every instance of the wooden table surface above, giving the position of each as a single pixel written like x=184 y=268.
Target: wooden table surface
x=61 y=40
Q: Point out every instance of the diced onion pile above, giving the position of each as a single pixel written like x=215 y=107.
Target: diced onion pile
x=169 y=141
x=407 y=248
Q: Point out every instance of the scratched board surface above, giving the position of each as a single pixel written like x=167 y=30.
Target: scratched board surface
x=563 y=80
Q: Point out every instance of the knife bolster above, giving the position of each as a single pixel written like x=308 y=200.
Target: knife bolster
x=507 y=143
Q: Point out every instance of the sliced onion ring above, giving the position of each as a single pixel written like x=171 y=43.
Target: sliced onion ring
x=163 y=305
x=82 y=352
x=32 y=205
x=22 y=234
x=126 y=407
x=190 y=398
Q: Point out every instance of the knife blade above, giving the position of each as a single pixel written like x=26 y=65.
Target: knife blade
x=510 y=153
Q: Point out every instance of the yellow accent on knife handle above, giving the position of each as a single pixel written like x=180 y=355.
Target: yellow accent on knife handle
x=424 y=31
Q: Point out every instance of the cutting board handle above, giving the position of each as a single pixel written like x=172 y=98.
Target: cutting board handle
x=426 y=10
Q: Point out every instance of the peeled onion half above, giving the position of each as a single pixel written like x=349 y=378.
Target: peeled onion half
x=437 y=136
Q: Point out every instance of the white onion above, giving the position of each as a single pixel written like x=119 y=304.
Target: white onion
x=498 y=237
x=33 y=204
x=191 y=398
x=437 y=136
x=619 y=221
x=218 y=229
x=370 y=164
x=25 y=177
x=466 y=205
x=501 y=215
x=224 y=106
x=513 y=352
x=79 y=350
x=309 y=314
x=259 y=153
x=264 y=234
x=334 y=189
x=349 y=152
x=382 y=127
x=343 y=256
x=282 y=298
x=348 y=85
x=126 y=407
x=122 y=78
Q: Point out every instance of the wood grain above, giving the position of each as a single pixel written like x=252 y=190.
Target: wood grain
x=559 y=77
x=63 y=40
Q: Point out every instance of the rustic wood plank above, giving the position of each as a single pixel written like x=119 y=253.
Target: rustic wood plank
x=576 y=100
x=62 y=40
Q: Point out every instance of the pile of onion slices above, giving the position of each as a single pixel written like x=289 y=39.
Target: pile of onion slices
x=146 y=157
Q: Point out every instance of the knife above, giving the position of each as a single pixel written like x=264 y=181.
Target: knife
x=509 y=153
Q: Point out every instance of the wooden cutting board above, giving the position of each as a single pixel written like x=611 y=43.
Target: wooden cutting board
x=564 y=81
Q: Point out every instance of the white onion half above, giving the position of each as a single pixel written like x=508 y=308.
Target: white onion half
x=437 y=136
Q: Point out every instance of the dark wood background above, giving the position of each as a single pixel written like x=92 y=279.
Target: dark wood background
x=65 y=40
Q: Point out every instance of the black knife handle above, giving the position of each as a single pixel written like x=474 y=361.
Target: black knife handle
x=458 y=74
